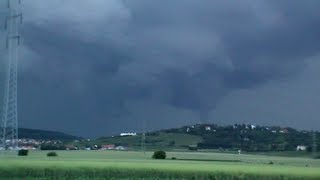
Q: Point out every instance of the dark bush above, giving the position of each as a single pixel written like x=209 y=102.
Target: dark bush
x=173 y=158
x=309 y=149
x=52 y=154
x=23 y=152
x=159 y=155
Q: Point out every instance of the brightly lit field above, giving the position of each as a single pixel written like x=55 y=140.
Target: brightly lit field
x=138 y=165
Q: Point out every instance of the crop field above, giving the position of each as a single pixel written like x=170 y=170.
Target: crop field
x=139 y=165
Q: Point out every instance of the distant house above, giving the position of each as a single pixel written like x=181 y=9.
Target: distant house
x=284 y=131
x=28 y=147
x=120 y=148
x=253 y=126
x=71 y=147
x=128 y=134
x=301 y=148
x=95 y=147
x=108 y=147
x=208 y=128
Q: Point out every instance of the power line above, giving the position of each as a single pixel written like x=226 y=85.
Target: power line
x=143 y=137
x=314 y=148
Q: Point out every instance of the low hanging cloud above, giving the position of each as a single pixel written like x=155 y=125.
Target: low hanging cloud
x=186 y=54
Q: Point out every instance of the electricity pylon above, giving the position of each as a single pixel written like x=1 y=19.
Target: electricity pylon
x=11 y=17
x=143 y=137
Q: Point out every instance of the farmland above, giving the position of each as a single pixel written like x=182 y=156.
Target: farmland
x=136 y=165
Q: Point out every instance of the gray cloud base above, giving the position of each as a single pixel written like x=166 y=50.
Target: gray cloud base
x=99 y=64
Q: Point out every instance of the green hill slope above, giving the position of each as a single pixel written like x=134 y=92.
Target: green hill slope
x=248 y=138
x=159 y=139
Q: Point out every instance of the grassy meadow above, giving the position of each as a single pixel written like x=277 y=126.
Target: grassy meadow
x=138 y=165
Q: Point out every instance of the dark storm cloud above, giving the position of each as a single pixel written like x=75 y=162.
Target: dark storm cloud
x=95 y=56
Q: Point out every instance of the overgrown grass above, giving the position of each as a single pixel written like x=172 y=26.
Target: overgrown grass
x=136 y=165
x=141 y=174
x=54 y=172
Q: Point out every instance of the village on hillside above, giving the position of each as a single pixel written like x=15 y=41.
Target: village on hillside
x=210 y=136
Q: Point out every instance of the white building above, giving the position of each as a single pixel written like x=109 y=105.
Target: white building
x=301 y=148
x=128 y=134
x=120 y=148
x=253 y=126
x=208 y=128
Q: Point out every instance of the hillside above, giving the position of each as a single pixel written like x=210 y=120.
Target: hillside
x=159 y=139
x=44 y=135
x=210 y=136
x=249 y=137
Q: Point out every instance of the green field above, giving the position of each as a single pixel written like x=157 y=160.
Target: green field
x=137 y=165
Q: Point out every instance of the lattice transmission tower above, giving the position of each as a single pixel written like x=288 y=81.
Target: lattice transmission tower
x=11 y=18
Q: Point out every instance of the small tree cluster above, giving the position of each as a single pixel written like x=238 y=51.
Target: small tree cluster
x=159 y=155
x=52 y=154
x=23 y=152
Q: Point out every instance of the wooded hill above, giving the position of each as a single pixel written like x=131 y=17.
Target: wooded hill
x=234 y=137
x=44 y=135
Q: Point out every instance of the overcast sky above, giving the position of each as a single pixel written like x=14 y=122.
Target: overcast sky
x=100 y=67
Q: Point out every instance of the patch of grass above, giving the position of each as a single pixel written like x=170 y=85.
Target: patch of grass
x=211 y=160
x=137 y=165
x=123 y=173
